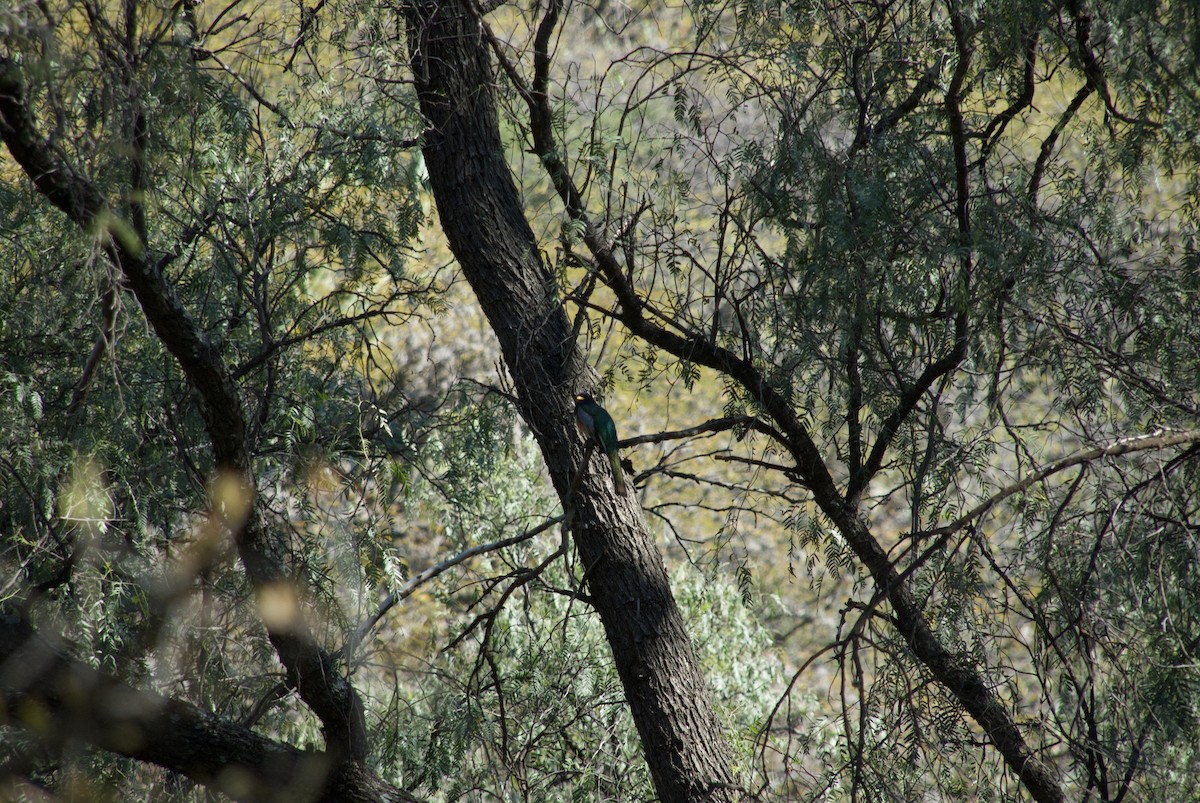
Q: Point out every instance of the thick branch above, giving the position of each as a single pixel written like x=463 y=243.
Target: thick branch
x=81 y=201
x=310 y=669
x=1020 y=103
x=1093 y=68
x=57 y=697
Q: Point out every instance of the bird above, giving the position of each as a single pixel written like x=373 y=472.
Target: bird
x=597 y=425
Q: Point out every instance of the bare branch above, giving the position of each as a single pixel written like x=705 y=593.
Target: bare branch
x=421 y=578
x=711 y=427
x=1140 y=443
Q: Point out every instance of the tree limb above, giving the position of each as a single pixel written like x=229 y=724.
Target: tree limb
x=45 y=690
x=421 y=578
x=1140 y=443
x=264 y=554
x=957 y=351
x=710 y=427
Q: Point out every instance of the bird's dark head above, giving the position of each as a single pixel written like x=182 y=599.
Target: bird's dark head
x=583 y=398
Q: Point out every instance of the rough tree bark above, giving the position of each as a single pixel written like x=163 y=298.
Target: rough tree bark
x=311 y=670
x=481 y=214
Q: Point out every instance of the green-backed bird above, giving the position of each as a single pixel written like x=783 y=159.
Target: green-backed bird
x=595 y=423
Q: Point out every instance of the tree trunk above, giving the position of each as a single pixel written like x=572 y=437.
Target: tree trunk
x=481 y=214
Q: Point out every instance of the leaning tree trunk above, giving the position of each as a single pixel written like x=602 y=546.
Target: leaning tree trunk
x=482 y=216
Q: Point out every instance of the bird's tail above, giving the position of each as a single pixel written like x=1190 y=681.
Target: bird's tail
x=618 y=474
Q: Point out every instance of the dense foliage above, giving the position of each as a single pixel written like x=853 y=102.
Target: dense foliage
x=901 y=298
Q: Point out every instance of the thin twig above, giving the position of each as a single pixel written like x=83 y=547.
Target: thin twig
x=1140 y=443
x=419 y=579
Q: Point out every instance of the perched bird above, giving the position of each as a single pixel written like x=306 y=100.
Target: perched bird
x=596 y=424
